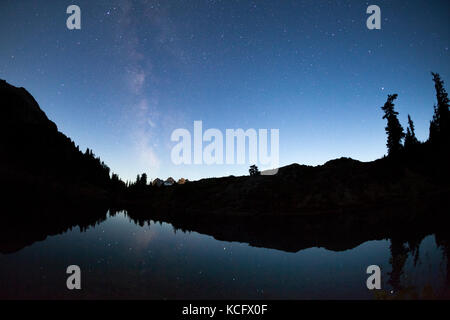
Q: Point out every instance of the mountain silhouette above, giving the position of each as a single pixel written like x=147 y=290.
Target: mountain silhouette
x=40 y=162
x=338 y=186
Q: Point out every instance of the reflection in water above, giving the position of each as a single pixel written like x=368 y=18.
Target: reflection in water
x=443 y=241
x=124 y=256
x=399 y=254
x=24 y=226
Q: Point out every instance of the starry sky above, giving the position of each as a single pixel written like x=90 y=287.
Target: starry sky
x=139 y=69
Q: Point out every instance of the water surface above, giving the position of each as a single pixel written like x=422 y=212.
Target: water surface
x=122 y=259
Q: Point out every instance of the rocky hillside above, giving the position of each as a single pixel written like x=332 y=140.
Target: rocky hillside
x=336 y=186
x=37 y=159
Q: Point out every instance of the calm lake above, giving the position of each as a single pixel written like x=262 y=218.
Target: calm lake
x=121 y=259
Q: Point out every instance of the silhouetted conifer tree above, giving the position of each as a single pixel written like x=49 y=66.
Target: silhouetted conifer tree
x=138 y=180
x=393 y=129
x=410 y=137
x=143 y=181
x=254 y=171
x=440 y=125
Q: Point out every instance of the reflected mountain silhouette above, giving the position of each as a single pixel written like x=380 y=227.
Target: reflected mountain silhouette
x=24 y=225
x=338 y=232
x=293 y=234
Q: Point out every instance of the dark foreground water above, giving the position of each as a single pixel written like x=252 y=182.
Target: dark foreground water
x=121 y=259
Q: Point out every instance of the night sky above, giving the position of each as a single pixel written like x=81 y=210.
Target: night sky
x=137 y=70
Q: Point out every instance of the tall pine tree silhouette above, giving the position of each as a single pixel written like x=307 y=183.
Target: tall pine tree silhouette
x=143 y=181
x=393 y=129
x=440 y=125
x=410 y=138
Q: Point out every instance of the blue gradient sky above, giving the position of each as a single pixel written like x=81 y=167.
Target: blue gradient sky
x=137 y=70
